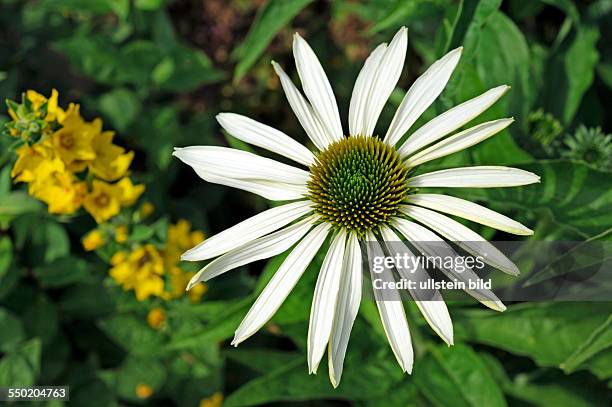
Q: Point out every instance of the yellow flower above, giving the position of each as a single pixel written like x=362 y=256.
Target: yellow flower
x=121 y=234
x=197 y=291
x=61 y=191
x=140 y=271
x=54 y=112
x=143 y=391
x=103 y=202
x=111 y=163
x=180 y=238
x=156 y=318
x=128 y=192
x=216 y=400
x=93 y=240
x=73 y=141
x=146 y=209
x=178 y=282
x=118 y=258
x=35 y=163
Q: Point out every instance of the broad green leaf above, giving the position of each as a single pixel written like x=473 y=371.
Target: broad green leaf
x=522 y=387
x=12 y=330
x=575 y=195
x=549 y=333
x=122 y=106
x=132 y=334
x=218 y=329
x=456 y=376
x=188 y=69
x=271 y=18
x=18 y=203
x=263 y=360
x=149 y=4
x=86 y=300
x=600 y=339
x=6 y=254
x=135 y=371
x=292 y=383
x=41 y=319
x=20 y=367
x=57 y=241
x=580 y=62
x=466 y=30
x=605 y=73
x=63 y=271
x=503 y=57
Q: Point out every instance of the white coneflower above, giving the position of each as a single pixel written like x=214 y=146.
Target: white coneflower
x=352 y=189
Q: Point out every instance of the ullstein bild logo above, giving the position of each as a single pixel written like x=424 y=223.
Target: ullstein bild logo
x=558 y=271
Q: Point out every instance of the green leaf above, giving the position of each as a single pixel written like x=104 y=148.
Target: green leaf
x=185 y=69
x=86 y=300
x=63 y=271
x=122 y=106
x=149 y=5
x=20 y=367
x=292 y=383
x=580 y=62
x=18 y=203
x=573 y=194
x=57 y=241
x=522 y=387
x=269 y=21
x=457 y=376
x=600 y=339
x=549 y=333
x=605 y=73
x=41 y=319
x=135 y=371
x=6 y=254
x=262 y=360
x=12 y=331
x=132 y=334
x=472 y=15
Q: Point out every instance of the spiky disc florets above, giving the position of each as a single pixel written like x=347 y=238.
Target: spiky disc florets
x=358 y=183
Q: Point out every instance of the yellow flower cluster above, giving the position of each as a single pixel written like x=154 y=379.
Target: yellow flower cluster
x=72 y=162
x=150 y=271
x=216 y=400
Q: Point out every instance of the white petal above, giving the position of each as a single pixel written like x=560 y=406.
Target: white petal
x=465 y=237
x=281 y=284
x=430 y=244
x=433 y=308
x=421 y=95
x=392 y=314
x=475 y=177
x=247 y=230
x=385 y=79
x=258 y=249
x=459 y=141
x=316 y=87
x=261 y=135
x=303 y=111
x=349 y=297
x=274 y=191
x=324 y=301
x=231 y=163
x=451 y=120
x=361 y=91
x=469 y=210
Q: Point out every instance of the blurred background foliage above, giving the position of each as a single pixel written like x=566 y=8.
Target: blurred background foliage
x=158 y=71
